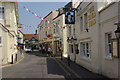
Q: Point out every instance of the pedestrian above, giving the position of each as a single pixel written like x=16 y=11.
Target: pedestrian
x=49 y=51
x=43 y=49
x=32 y=48
x=40 y=48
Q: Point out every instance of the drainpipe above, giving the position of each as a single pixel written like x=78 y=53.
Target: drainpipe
x=99 y=43
x=74 y=43
x=119 y=39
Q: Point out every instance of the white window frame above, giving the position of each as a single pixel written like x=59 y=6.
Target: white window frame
x=2 y=13
x=84 y=55
x=108 y=53
x=81 y=24
x=85 y=25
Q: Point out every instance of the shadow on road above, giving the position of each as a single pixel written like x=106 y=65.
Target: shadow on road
x=52 y=66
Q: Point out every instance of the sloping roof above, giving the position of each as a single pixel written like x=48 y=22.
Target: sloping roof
x=68 y=5
x=30 y=36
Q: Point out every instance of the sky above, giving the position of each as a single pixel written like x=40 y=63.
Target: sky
x=40 y=8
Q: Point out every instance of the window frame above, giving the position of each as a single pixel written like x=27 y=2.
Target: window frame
x=2 y=13
x=81 y=24
x=108 y=46
x=84 y=52
x=71 y=48
x=85 y=24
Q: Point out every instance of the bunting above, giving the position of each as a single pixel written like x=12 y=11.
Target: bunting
x=45 y=20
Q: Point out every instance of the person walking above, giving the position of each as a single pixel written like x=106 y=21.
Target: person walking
x=43 y=49
x=49 y=51
x=40 y=49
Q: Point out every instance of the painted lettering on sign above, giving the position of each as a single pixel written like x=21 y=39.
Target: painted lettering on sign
x=92 y=15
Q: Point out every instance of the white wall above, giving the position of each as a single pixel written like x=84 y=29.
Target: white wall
x=107 y=19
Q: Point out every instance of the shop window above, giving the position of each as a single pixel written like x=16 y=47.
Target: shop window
x=76 y=48
x=71 y=48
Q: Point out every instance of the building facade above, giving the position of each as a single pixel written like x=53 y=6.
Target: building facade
x=60 y=20
x=20 y=39
x=47 y=30
x=31 y=42
x=9 y=19
x=94 y=30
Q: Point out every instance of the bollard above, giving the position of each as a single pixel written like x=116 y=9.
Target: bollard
x=16 y=57
x=61 y=56
x=12 y=59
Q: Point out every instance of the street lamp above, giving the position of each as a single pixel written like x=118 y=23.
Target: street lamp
x=117 y=33
x=72 y=40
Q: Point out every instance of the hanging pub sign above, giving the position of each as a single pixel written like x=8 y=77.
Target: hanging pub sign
x=20 y=27
x=70 y=17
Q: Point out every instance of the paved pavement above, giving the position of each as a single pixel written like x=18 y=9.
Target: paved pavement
x=79 y=71
x=33 y=66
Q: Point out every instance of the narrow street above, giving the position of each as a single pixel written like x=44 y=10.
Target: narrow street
x=33 y=66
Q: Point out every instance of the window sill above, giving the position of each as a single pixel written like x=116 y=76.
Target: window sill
x=0 y=45
x=108 y=57
x=2 y=19
x=87 y=59
x=82 y=32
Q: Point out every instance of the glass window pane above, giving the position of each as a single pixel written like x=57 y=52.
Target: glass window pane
x=2 y=13
x=81 y=24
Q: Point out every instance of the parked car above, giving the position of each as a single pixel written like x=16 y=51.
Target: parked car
x=28 y=50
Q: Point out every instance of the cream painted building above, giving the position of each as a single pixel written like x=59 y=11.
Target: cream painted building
x=8 y=19
x=94 y=30
x=108 y=63
x=60 y=20
x=47 y=32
